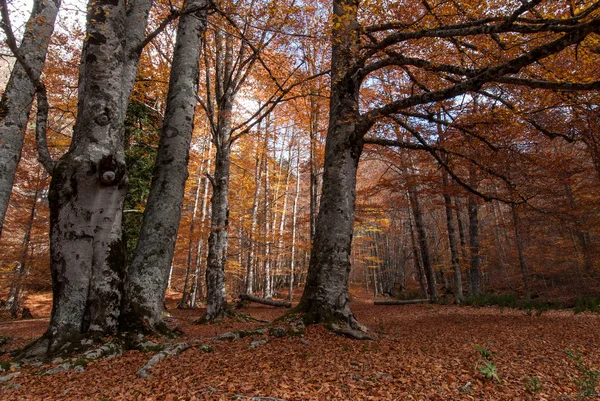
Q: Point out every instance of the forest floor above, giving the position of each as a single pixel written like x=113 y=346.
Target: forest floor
x=423 y=352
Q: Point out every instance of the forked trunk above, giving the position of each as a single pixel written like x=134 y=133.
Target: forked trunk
x=89 y=183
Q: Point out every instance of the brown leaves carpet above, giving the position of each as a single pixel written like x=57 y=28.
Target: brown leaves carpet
x=424 y=352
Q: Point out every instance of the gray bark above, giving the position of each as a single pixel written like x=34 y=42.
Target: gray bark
x=89 y=183
x=294 y=224
x=17 y=288
x=454 y=258
x=415 y=203
x=198 y=286
x=474 y=268
x=522 y=262
x=254 y=223
x=192 y=266
x=325 y=296
x=17 y=98
x=265 y=301
x=149 y=271
x=267 y=249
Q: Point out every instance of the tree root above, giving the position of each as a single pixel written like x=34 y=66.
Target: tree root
x=175 y=349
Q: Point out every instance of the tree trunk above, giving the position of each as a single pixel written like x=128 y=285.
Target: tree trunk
x=458 y=290
x=89 y=183
x=17 y=288
x=149 y=271
x=18 y=94
x=198 y=287
x=522 y=263
x=325 y=296
x=216 y=301
x=415 y=203
x=267 y=227
x=294 y=224
x=254 y=223
x=265 y=301
x=474 y=268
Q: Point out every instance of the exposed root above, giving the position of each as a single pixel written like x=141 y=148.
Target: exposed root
x=175 y=349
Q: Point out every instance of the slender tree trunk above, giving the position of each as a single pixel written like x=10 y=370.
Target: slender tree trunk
x=149 y=271
x=254 y=223
x=423 y=244
x=522 y=263
x=417 y=258
x=17 y=98
x=294 y=225
x=458 y=290
x=474 y=268
x=185 y=297
x=267 y=228
x=17 y=288
x=197 y=290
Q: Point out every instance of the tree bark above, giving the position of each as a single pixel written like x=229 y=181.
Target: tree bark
x=325 y=296
x=149 y=271
x=17 y=98
x=17 y=288
x=458 y=288
x=254 y=223
x=294 y=225
x=474 y=268
x=522 y=262
x=401 y=302
x=89 y=183
x=415 y=203
x=265 y=301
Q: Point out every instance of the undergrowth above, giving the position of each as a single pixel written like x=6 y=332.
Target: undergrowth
x=587 y=303
x=511 y=300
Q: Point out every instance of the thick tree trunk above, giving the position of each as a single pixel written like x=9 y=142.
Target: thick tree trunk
x=87 y=192
x=18 y=94
x=458 y=288
x=325 y=296
x=89 y=183
x=149 y=271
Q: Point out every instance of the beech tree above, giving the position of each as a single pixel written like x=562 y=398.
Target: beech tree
x=19 y=91
x=438 y=52
x=89 y=182
x=149 y=272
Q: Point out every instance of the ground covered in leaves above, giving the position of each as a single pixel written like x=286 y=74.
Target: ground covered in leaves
x=423 y=352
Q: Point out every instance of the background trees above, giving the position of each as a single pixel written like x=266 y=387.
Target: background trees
x=486 y=183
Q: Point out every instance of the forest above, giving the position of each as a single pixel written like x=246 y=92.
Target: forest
x=286 y=200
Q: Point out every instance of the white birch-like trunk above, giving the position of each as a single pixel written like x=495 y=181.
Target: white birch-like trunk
x=294 y=225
